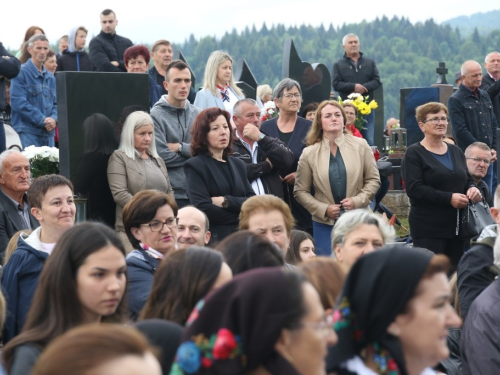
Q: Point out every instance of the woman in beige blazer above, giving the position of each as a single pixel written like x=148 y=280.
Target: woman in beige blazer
x=135 y=166
x=341 y=168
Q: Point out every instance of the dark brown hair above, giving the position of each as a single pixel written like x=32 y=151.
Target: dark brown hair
x=141 y=209
x=245 y=250
x=327 y=275
x=176 y=64
x=296 y=238
x=31 y=31
x=83 y=349
x=183 y=278
x=41 y=185
x=56 y=307
x=201 y=127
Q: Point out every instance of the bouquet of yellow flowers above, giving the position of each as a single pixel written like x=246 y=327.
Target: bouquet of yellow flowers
x=363 y=108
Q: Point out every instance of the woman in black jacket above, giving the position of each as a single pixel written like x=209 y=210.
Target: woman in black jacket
x=438 y=185
x=216 y=183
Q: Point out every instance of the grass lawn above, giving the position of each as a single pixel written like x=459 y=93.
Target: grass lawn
x=400 y=232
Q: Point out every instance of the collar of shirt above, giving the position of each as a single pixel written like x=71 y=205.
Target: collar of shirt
x=247 y=145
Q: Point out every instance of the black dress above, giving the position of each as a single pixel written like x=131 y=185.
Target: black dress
x=90 y=181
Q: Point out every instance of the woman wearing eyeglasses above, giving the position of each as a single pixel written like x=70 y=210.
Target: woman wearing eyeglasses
x=135 y=166
x=438 y=185
x=150 y=221
x=291 y=129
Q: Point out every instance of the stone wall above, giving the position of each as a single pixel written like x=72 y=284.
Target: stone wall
x=397 y=201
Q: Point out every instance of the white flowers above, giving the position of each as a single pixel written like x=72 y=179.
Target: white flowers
x=51 y=153
x=268 y=111
x=355 y=96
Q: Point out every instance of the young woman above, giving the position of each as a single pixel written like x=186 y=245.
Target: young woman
x=83 y=281
x=219 y=89
x=301 y=247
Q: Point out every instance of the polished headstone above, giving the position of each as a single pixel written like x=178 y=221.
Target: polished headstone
x=80 y=94
x=314 y=79
x=245 y=79
x=178 y=55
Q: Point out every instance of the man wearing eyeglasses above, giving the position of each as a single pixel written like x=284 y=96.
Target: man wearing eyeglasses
x=471 y=115
x=478 y=156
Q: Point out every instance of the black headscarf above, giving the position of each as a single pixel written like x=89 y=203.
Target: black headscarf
x=164 y=335
x=235 y=328
x=377 y=289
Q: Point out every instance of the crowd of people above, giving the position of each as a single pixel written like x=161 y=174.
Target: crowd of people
x=219 y=243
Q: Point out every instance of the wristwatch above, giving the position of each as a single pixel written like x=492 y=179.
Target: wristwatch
x=180 y=148
x=261 y=136
x=225 y=203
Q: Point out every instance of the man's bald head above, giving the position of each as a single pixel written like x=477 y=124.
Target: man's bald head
x=193 y=228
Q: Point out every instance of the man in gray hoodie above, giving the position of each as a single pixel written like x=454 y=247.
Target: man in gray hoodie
x=173 y=117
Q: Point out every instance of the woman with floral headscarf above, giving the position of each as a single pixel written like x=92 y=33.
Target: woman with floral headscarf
x=393 y=315
x=264 y=321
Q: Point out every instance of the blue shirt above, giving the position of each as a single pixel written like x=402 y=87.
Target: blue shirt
x=33 y=98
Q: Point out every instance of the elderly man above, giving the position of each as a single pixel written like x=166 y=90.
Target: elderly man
x=193 y=228
x=162 y=53
x=106 y=49
x=478 y=157
x=15 y=213
x=355 y=73
x=265 y=156
x=269 y=217
x=33 y=97
x=471 y=114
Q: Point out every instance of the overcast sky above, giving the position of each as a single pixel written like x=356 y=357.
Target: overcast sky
x=147 y=21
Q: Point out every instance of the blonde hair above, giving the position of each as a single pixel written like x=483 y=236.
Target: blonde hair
x=315 y=133
x=265 y=203
x=209 y=80
x=12 y=245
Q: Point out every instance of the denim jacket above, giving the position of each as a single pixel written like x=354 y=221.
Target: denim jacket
x=472 y=119
x=33 y=98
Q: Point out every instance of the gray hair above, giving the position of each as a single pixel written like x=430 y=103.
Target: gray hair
x=464 y=69
x=350 y=35
x=237 y=106
x=133 y=122
x=36 y=38
x=352 y=220
x=479 y=145
x=288 y=84
x=489 y=55
x=4 y=155
x=263 y=90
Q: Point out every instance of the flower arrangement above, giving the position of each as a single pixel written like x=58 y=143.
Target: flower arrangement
x=269 y=111
x=363 y=108
x=44 y=160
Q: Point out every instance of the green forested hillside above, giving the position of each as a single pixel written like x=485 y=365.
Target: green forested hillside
x=406 y=54
x=484 y=22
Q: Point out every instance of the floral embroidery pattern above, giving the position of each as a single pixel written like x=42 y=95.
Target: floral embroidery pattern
x=195 y=313
x=386 y=365
x=341 y=316
x=201 y=351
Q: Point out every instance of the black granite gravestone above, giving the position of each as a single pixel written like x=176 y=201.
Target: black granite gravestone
x=79 y=94
x=178 y=55
x=245 y=79
x=441 y=70
x=314 y=79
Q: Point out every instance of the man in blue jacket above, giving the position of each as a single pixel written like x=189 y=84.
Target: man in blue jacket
x=33 y=97
x=51 y=199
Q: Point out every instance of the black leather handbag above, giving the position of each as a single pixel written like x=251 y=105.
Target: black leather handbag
x=474 y=218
